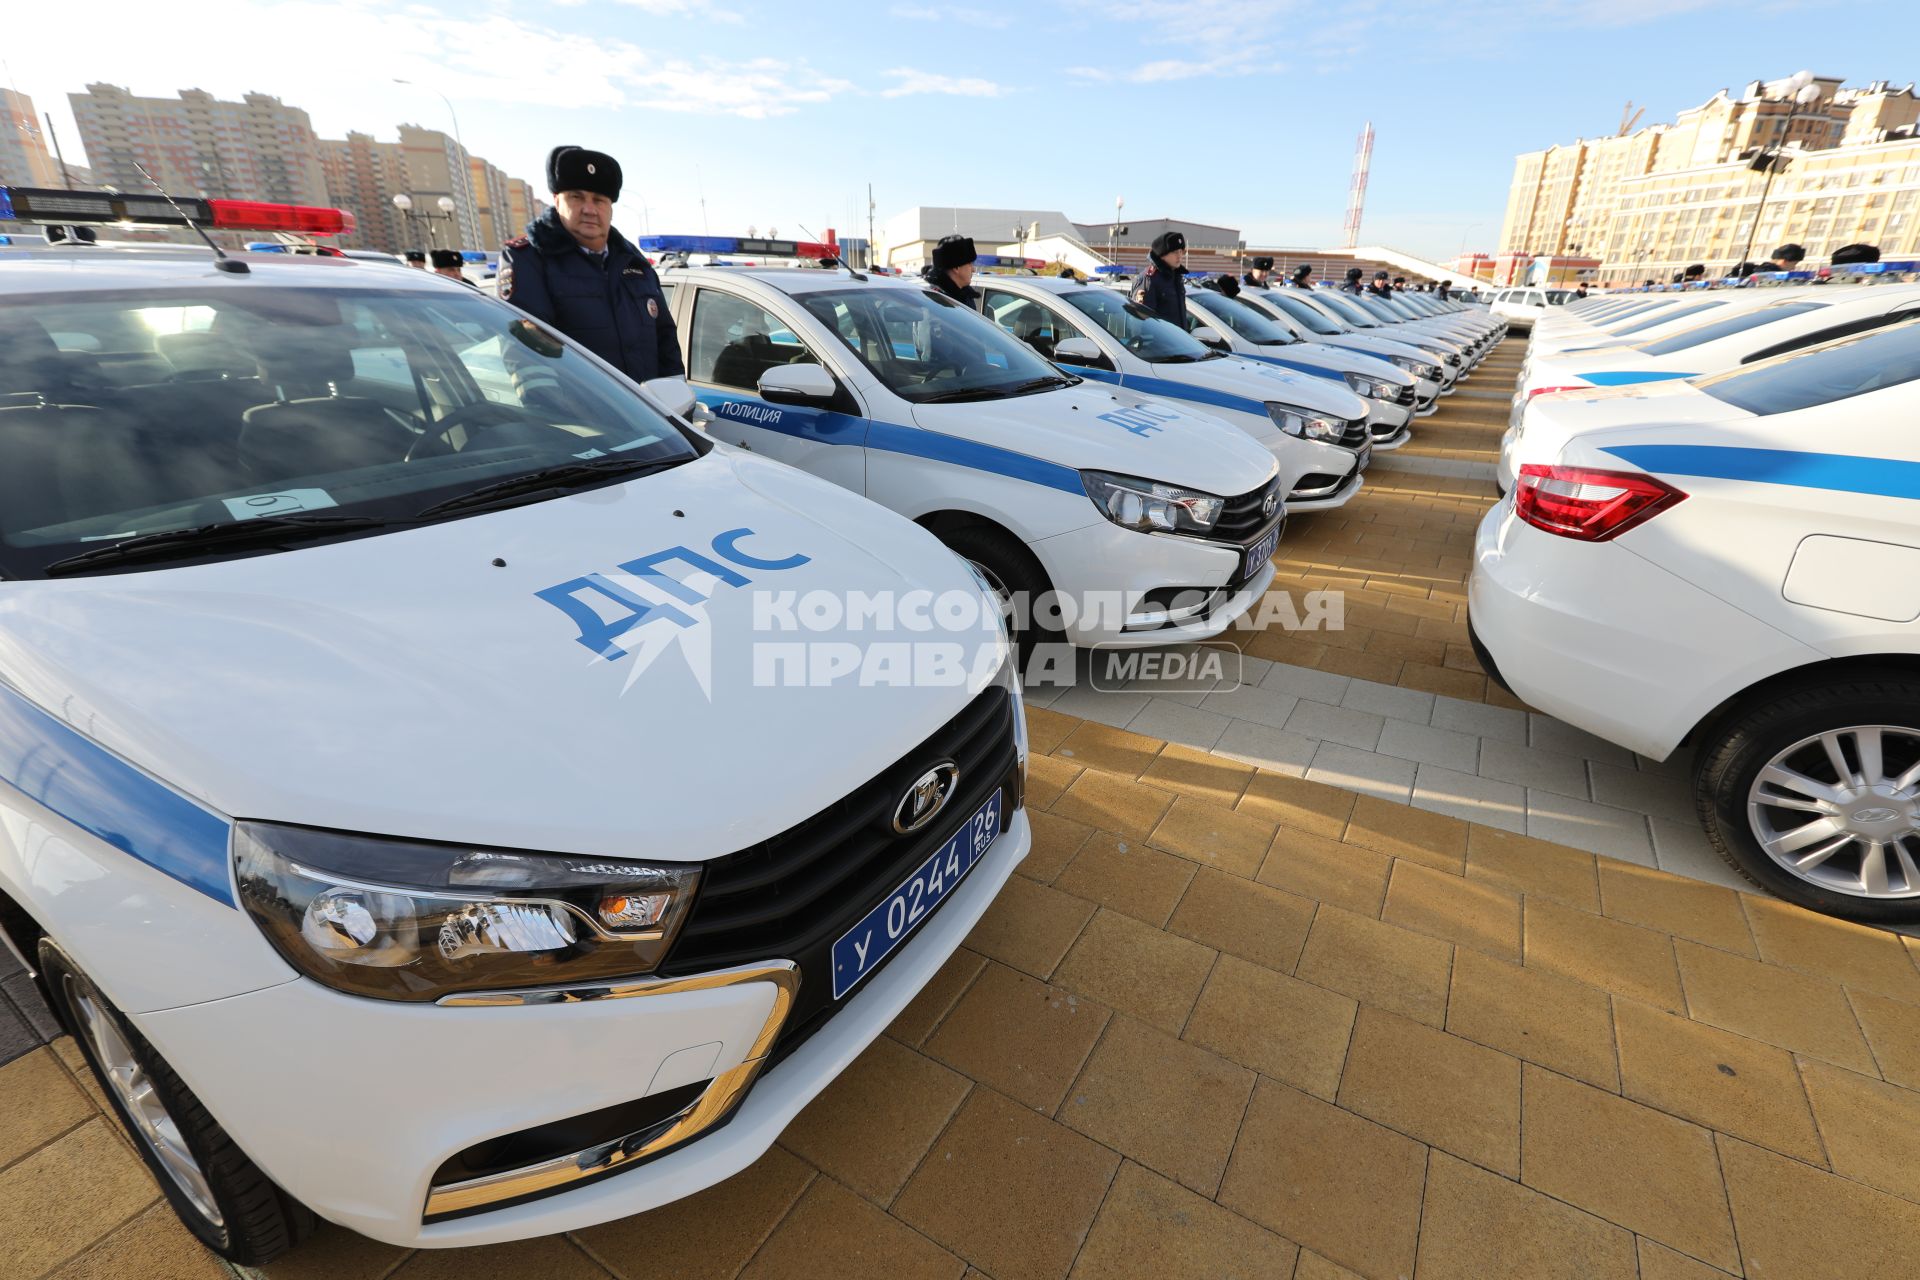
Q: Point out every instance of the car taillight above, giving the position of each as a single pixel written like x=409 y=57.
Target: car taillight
x=1588 y=505
x=1544 y=391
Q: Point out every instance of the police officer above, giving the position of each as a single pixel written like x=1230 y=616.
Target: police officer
x=1353 y=285
x=1580 y=291
x=1302 y=277
x=1787 y=257
x=447 y=262
x=576 y=272
x=1380 y=288
x=951 y=271
x=1162 y=290
x=417 y=258
x=1260 y=276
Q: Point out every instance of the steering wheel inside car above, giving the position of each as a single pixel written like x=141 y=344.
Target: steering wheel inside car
x=434 y=439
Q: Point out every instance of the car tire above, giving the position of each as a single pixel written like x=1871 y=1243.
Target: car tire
x=1784 y=729
x=1009 y=568
x=232 y=1208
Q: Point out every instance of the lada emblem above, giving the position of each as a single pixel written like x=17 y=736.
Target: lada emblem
x=926 y=797
x=1873 y=815
x=1270 y=502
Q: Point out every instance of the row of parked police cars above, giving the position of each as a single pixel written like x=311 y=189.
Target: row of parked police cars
x=1708 y=544
x=455 y=792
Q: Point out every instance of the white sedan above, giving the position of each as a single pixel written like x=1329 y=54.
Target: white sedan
x=1734 y=562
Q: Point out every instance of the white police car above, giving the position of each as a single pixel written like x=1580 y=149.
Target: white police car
x=1317 y=431
x=1241 y=329
x=1140 y=522
x=1458 y=354
x=410 y=794
x=1432 y=376
x=1732 y=562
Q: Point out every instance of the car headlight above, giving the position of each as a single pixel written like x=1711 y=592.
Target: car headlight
x=1453 y=357
x=1371 y=388
x=1418 y=368
x=408 y=920
x=1306 y=424
x=1148 y=506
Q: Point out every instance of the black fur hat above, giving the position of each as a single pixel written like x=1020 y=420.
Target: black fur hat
x=953 y=251
x=1168 y=242
x=578 y=169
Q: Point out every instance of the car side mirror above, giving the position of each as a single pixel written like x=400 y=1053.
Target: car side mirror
x=1076 y=351
x=671 y=396
x=804 y=384
x=1212 y=337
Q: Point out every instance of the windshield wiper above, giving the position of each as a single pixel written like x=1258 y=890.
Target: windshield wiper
x=565 y=475
x=1042 y=383
x=159 y=546
x=970 y=393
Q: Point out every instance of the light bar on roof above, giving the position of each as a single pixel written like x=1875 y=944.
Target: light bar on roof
x=1001 y=260
x=99 y=208
x=737 y=244
x=1112 y=269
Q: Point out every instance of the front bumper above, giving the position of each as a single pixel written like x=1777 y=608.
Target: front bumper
x=1108 y=572
x=351 y=1104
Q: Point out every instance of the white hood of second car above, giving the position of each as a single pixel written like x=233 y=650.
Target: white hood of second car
x=1251 y=380
x=411 y=684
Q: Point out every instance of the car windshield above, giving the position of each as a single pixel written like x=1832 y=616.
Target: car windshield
x=1668 y=316
x=1687 y=339
x=1556 y=297
x=1302 y=314
x=1347 y=305
x=1244 y=319
x=1375 y=307
x=925 y=347
x=1819 y=375
x=1137 y=329
x=1640 y=308
x=126 y=413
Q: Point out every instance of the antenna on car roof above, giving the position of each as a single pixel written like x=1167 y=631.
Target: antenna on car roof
x=842 y=261
x=221 y=261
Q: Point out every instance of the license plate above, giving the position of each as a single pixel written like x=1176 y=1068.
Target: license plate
x=1260 y=552
x=860 y=949
x=1365 y=456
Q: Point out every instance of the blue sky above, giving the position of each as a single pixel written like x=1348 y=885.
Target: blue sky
x=1241 y=112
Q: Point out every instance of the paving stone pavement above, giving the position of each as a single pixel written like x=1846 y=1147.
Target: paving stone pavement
x=1233 y=1021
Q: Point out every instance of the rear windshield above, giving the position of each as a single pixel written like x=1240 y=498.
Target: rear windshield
x=1820 y=375
x=1687 y=339
x=1667 y=317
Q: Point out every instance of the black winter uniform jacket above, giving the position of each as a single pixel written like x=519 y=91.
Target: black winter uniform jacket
x=614 y=308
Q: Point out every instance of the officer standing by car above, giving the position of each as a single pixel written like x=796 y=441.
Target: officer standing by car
x=1380 y=288
x=1261 y=273
x=448 y=263
x=952 y=270
x=1353 y=285
x=1162 y=291
x=1302 y=277
x=575 y=271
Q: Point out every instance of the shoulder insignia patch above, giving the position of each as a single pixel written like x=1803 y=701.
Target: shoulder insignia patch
x=519 y=242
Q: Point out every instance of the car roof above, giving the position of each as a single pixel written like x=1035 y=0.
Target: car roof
x=86 y=268
x=789 y=280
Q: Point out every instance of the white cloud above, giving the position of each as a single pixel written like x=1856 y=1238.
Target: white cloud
x=910 y=81
x=1240 y=62
x=966 y=17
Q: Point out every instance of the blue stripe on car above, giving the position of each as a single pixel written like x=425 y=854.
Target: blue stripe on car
x=81 y=781
x=829 y=427
x=1628 y=377
x=1167 y=389
x=1842 y=473
x=1311 y=370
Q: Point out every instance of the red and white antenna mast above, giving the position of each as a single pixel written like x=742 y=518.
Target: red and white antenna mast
x=1357 y=194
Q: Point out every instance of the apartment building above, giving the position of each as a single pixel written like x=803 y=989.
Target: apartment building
x=25 y=158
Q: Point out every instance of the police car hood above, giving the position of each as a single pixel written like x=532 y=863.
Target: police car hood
x=1093 y=427
x=407 y=684
x=1269 y=384
x=1342 y=360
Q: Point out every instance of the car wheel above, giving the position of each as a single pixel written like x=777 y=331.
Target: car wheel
x=1814 y=795
x=1014 y=575
x=221 y=1195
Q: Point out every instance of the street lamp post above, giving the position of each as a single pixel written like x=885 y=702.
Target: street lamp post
x=1801 y=92
x=404 y=203
x=465 y=180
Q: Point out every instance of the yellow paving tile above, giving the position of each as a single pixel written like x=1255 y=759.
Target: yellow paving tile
x=1378 y=964
x=1535 y=867
x=1100 y=746
x=1360 y=666
x=1793 y=1010
x=1534 y=1015
x=1314 y=1267
x=1047 y=729
x=154 y=1246
x=1294 y=802
x=869 y=1128
x=1152 y=1229
x=1010 y=1191
x=1445 y=681
x=1264 y=925
x=1137 y=970
x=1800 y=1222
x=1128 y=876
x=1055 y=842
x=548 y=1257
x=1169 y=1105
x=1326 y=1179
x=1480 y=1226
x=1213 y=836
x=1893 y=1032
x=1871 y=1130
x=1657 y=1262
x=1199 y=774
x=61 y=1199
x=1030 y=926
x=1480 y=916
x=1629 y=1164
x=1290 y=1030
x=1715 y=1078
x=831 y=1222
x=1402 y=831
x=1853 y=955
x=707 y=1236
x=1610 y=954
x=1447 y=1092
x=1345 y=875
x=1707 y=913
x=1112 y=803
x=917 y=1021
x=38 y=1103
x=1020 y=1036
x=1047 y=780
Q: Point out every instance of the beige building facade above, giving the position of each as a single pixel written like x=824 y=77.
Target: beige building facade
x=25 y=160
x=1649 y=203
